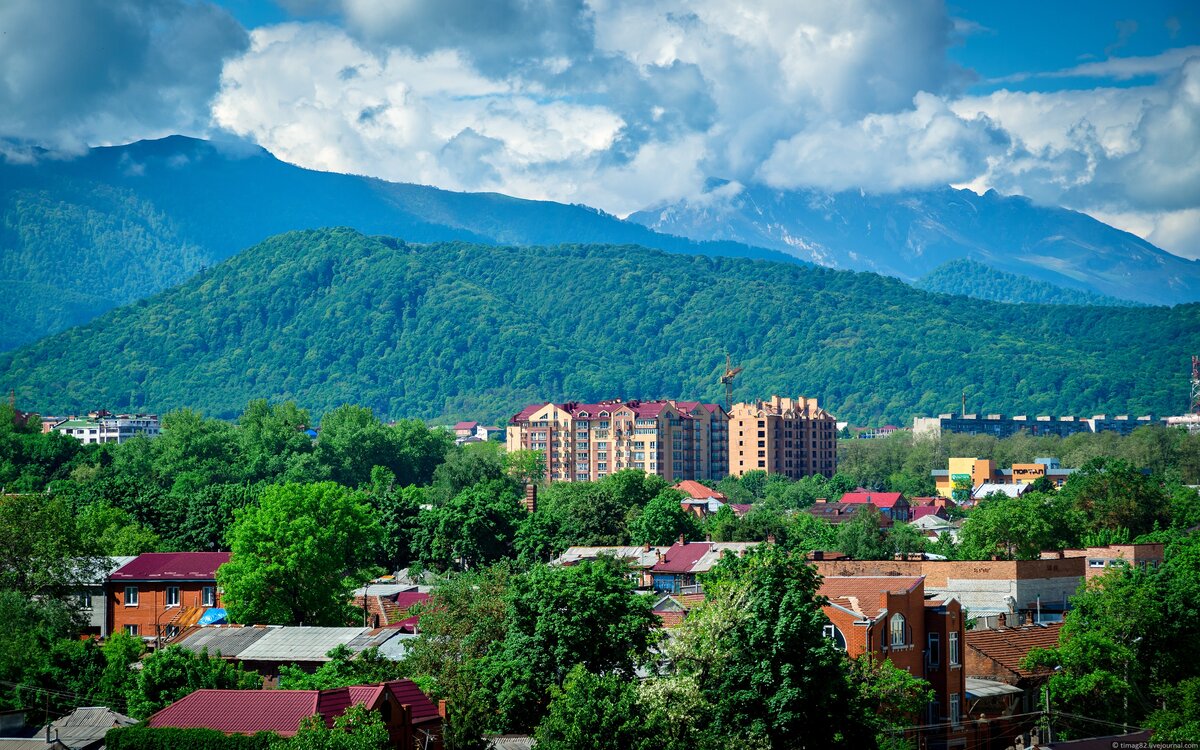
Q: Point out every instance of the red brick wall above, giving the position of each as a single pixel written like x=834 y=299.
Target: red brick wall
x=938 y=572
x=150 y=609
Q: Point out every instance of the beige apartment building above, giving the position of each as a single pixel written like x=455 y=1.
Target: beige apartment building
x=676 y=440
x=794 y=437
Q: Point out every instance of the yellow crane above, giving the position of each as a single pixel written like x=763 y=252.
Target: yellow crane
x=731 y=372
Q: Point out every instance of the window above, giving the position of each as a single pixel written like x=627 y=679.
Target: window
x=832 y=633
x=208 y=596
x=933 y=657
x=85 y=601
x=955 y=718
x=1096 y=563
x=953 y=649
x=172 y=596
x=897 y=630
x=935 y=712
x=131 y=596
x=131 y=629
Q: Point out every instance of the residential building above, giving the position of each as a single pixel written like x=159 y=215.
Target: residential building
x=413 y=722
x=839 y=513
x=640 y=559
x=84 y=728
x=473 y=432
x=891 y=504
x=998 y=655
x=676 y=440
x=93 y=599
x=676 y=572
x=701 y=501
x=1038 y=590
x=390 y=605
x=793 y=437
x=104 y=427
x=1001 y=426
x=158 y=593
x=891 y=618
x=964 y=475
x=1102 y=559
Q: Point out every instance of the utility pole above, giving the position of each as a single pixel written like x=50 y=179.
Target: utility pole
x=1195 y=405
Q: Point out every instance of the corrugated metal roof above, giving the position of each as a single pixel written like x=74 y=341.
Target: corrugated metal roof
x=83 y=726
x=977 y=688
x=178 y=566
x=239 y=711
x=228 y=640
x=299 y=643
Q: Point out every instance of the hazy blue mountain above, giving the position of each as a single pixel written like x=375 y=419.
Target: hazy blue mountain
x=80 y=236
x=971 y=278
x=451 y=330
x=910 y=234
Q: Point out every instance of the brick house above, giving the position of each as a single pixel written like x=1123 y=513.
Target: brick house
x=1101 y=559
x=893 y=505
x=890 y=618
x=676 y=572
x=412 y=720
x=158 y=593
x=998 y=654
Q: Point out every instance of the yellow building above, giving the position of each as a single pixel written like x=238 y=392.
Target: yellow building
x=964 y=475
x=676 y=440
x=794 y=437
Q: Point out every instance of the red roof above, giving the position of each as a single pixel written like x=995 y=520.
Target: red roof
x=698 y=491
x=281 y=711
x=671 y=619
x=681 y=558
x=927 y=510
x=175 y=566
x=1008 y=647
x=527 y=412
x=466 y=426
x=878 y=499
x=740 y=509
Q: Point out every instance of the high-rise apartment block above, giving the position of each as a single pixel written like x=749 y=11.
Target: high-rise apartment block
x=793 y=437
x=676 y=440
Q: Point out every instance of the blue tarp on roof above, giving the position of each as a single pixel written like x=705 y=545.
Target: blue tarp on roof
x=214 y=616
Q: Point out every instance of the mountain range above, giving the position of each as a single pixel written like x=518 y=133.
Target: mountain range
x=910 y=234
x=448 y=330
x=79 y=236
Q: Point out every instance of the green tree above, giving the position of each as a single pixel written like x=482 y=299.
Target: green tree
x=477 y=526
x=356 y=729
x=398 y=510
x=169 y=674
x=343 y=669
x=273 y=442
x=42 y=554
x=466 y=466
x=906 y=539
x=1019 y=527
x=888 y=699
x=664 y=520
x=586 y=614
x=863 y=537
x=353 y=441
x=297 y=556
x=1113 y=494
x=526 y=466
x=596 y=711
x=193 y=452
x=114 y=531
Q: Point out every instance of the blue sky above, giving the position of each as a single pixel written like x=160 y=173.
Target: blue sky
x=627 y=104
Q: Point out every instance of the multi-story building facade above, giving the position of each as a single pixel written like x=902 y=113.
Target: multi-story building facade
x=965 y=475
x=157 y=593
x=676 y=440
x=104 y=427
x=1001 y=426
x=793 y=437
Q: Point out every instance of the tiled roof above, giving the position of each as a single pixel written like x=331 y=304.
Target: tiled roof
x=698 y=557
x=878 y=499
x=466 y=425
x=862 y=594
x=698 y=491
x=671 y=619
x=527 y=412
x=174 y=566
x=1009 y=646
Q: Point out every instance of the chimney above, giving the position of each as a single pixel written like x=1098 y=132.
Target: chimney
x=647 y=546
x=442 y=709
x=771 y=538
x=818 y=554
x=681 y=540
x=530 y=502
x=708 y=537
x=822 y=499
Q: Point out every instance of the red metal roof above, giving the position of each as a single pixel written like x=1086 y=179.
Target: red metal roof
x=408 y=694
x=927 y=510
x=878 y=499
x=527 y=412
x=698 y=491
x=681 y=558
x=740 y=509
x=177 y=566
x=466 y=425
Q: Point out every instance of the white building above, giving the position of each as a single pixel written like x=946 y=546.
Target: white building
x=103 y=427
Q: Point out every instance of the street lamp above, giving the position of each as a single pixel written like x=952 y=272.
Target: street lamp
x=1049 y=730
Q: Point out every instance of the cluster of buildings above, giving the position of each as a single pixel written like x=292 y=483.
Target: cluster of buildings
x=103 y=426
x=968 y=479
x=677 y=440
x=965 y=627
x=1002 y=426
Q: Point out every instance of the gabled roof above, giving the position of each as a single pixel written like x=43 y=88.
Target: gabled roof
x=697 y=491
x=927 y=510
x=1008 y=647
x=466 y=425
x=281 y=711
x=84 y=726
x=698 y=557
x=172 y=566
x=862 y=594
x=878 y=499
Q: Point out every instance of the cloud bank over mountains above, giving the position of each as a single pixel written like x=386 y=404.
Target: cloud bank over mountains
x=622 y=104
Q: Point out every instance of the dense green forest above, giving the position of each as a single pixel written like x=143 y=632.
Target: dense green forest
x=81 y=236
x=974 y=279
x=439 y=331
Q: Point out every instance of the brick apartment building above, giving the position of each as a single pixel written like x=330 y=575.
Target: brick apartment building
x=676 y=440
x=1102 y=559
x=158 y=593
x=891 y=618
x=793 y=437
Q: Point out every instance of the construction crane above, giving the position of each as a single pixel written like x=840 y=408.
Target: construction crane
x=1195 y=385
x=731 y=372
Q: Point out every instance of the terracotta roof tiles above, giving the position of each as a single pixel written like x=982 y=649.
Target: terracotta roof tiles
x=1009 y=646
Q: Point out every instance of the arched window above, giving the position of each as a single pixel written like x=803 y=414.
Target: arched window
x=832 y=633
x=898 y=630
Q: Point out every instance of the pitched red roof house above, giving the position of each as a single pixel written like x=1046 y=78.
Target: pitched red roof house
x=698 y=491
x=172 y=566
x=998 y=654
x=891 y=504
x=405 y=710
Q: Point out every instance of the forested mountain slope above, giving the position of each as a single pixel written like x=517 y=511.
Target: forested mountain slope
x=974 y=279
x=440 y=331
x=909 y=234
x=80 y=236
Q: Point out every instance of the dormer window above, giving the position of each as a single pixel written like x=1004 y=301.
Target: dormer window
x=583 y=414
